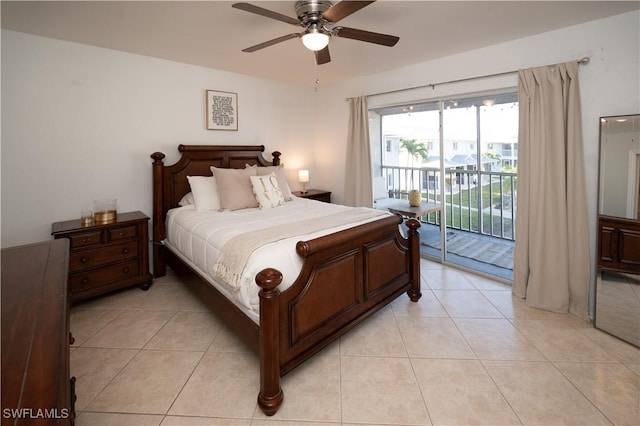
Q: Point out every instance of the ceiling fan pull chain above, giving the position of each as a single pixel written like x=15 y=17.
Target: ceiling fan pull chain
x=315 y=89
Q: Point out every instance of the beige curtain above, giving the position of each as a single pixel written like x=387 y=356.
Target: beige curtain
x=358 y=191
x=551 y=264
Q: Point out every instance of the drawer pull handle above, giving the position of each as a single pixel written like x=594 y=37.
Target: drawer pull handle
x=85 y=280
x=84 y=259
x=121 y=233
x=125 y=251
x=125 y=270
x=86 y=240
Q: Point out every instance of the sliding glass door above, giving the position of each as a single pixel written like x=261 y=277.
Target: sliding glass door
x=461 y=154
x=406 y=153
x=480 y=147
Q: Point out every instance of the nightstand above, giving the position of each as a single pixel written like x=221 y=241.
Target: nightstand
x=314 y=194
x=106 y=257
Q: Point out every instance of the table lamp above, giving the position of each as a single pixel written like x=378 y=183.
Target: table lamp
x=303 y=178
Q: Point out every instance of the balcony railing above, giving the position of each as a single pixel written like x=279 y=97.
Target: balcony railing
x=483 y=202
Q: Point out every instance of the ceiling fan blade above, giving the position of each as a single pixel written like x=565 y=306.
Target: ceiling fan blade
x=368 y=36
x=271 y=42
x=343 y=9
x=264 y=12
x=323 y=56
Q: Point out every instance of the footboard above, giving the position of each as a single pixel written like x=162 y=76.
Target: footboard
x=346 y=277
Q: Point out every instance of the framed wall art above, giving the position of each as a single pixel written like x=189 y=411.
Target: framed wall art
x=222 y=110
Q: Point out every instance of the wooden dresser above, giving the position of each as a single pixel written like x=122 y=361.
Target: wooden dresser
x=36 y=383
x=106 y=257
x=619 y=244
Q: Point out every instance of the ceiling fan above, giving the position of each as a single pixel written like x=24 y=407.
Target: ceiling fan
x=317 y=17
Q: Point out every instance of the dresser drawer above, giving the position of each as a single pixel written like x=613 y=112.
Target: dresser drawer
x=123 y=233
x=85 y=239
x=106 y=275
x=89 y=258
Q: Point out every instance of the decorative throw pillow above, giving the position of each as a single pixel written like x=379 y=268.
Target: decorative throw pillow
x=205 y=192
x=267 y=191
x=234 y=188
x=280 y=175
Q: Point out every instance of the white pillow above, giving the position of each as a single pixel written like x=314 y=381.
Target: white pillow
x=205 y=192
x=187 y=200
x=267 y=191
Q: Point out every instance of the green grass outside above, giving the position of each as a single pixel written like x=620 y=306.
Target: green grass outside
x=459 y=216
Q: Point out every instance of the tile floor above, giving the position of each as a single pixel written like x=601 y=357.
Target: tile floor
x=467 y=353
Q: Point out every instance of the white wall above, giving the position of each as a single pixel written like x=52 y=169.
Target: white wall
x=79 y=123
x=610 y=85
x=619 y=148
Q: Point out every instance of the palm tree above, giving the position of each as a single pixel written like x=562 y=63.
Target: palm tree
x=415 y=150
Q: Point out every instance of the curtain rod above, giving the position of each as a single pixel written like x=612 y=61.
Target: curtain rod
x=582 y=61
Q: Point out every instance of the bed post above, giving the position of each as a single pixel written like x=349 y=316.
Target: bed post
x=159 y=267
x=414 y=251
x=270 y=396
x=276 y=158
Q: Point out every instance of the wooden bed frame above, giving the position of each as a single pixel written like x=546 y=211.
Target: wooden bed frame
x=346 y=276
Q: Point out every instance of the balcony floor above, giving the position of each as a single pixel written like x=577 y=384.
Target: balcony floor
x=490 y=255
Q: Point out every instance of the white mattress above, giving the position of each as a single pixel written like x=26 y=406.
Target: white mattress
x=198 y=236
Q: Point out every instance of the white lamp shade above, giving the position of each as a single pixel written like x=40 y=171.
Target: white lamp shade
x=315 y=40
x=303 y=176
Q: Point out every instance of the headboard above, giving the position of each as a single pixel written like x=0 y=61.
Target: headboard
x=170 y=182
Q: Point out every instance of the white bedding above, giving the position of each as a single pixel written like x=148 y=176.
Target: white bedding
x=198 y=237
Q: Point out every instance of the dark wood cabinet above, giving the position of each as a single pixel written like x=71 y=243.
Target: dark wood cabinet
x=106 y=257
x=36 y=383
x=314 y=194
x=619 y=244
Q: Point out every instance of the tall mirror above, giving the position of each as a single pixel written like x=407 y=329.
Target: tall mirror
x=618 y=282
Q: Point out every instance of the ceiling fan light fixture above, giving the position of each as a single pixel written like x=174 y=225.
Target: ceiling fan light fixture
x=315 y=39
x=318 y=19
